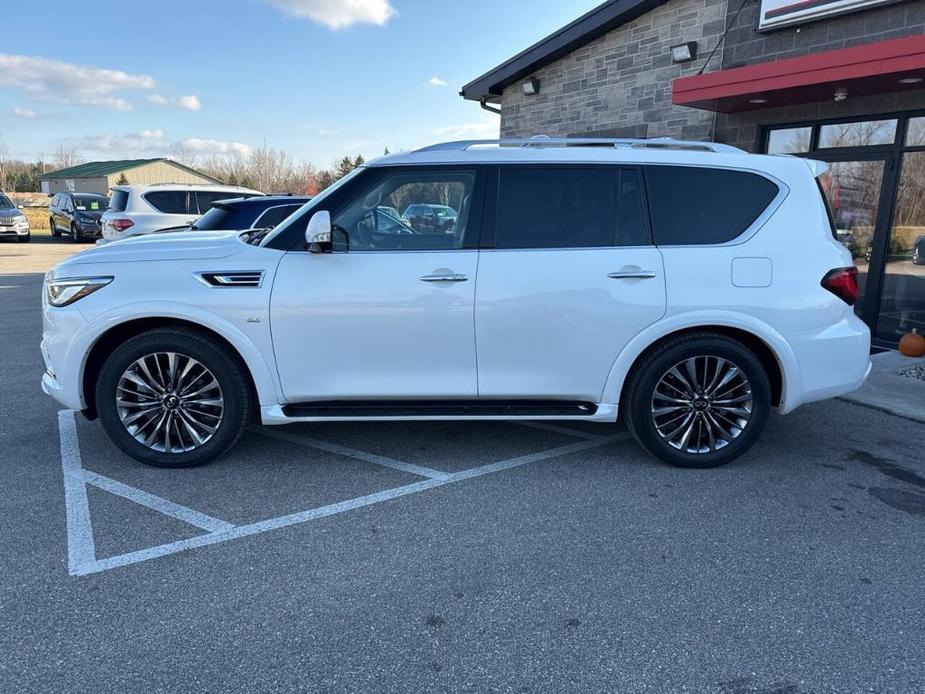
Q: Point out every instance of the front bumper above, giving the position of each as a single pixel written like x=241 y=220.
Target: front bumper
x=13 y=232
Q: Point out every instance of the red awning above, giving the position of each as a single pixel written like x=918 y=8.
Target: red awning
x=873 y=68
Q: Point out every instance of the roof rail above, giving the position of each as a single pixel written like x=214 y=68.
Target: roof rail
x=539 y=141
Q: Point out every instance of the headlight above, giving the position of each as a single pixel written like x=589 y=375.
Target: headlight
x=66 y=291
x=20 y=221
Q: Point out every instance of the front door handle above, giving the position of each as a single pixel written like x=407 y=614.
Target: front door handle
x=453 y=277
x=632 y=275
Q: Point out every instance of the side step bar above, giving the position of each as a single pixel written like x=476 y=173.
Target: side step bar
x=441 y=408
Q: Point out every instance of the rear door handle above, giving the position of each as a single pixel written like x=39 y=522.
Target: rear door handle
x=632 y=275
x=454 y=277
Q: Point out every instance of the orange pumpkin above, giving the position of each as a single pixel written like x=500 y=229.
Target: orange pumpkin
x=912 y=344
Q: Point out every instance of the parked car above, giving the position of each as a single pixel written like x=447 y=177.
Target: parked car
x=656 y=280
x=260 y=212
x=142 y=209
x=430 y=219
x=13 y=223
x=77 y=215
x=918 y=251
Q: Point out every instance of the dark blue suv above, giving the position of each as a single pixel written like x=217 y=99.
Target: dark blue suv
x=263 y=212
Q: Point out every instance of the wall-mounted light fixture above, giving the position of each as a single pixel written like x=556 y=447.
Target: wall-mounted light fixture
x=684 y=52
x=911 y=80
x=758 y=100
x=531 y=87
x=841 y=94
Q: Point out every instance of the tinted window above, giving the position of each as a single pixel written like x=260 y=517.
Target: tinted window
x=205 y=198
x=5 y=202
x=368 y=222
x=118 y=201
x=570 y=208
x=216 y=218
x=696 y=206
x=274 y=216
x=168 y=201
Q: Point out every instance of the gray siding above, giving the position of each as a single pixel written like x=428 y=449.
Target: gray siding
x=619 y=85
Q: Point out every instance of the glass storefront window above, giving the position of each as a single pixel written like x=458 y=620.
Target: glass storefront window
x=789 y=140
x=915 y=132
x=902 y=300
x=858 y=134
x=853 y=191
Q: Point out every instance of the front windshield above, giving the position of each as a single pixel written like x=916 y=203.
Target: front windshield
x=319 y=199
x=91 y=203
x=5 y=202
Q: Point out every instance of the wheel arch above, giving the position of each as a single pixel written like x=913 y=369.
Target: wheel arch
x=769 y=347
x=119 y=333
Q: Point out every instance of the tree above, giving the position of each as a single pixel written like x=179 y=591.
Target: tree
x=65 y=157
x=123 y=180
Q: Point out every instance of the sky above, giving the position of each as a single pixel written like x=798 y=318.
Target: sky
x=319 y=79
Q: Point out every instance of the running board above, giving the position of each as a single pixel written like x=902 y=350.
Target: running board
x=401 y=409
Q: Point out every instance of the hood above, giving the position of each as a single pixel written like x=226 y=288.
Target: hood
x=199 y=245
x=90 y=214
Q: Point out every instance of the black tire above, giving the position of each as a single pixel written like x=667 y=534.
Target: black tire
x=24 y=239
x=54 y=229
x=223 y=364
x=76 y=235
x=639 y=393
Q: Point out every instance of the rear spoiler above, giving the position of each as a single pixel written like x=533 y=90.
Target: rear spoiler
x=817 y=167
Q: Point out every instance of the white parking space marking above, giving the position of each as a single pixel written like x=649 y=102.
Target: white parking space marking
x=157 y=503
x=351 y=453
x=81 y=550
x=559 y=429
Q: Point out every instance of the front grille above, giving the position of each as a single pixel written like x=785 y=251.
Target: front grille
x=8 y=221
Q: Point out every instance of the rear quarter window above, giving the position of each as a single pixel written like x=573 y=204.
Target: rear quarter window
x=702 y=206
x=119 y=201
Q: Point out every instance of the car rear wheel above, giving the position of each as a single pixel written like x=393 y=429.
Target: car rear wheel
x=173 y=398
x=699 y=401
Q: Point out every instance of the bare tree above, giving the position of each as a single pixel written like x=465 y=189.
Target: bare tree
x=4 y=160
x=65 y=157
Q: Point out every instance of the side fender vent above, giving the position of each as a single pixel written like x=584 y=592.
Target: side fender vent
x=243 y=278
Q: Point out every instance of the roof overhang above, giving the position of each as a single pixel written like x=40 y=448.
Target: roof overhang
x=872 y=68
x=583 y=30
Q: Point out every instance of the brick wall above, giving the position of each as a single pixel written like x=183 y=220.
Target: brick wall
x=746 y=46
x=619 y=85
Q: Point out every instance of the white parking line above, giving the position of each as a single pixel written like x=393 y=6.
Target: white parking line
x=157 y=503
x=82 y=557
x=350 y=452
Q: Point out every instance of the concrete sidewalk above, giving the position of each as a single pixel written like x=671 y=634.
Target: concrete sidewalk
x=891 y=392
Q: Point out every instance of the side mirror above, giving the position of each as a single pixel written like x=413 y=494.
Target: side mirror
x=318 y=232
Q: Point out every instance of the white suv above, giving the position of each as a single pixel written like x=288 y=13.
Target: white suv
x=689 y=287
x=144 y=209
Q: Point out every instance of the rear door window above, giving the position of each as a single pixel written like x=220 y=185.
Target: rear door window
x=702 y=206
x=168 y=201
x=570 y=207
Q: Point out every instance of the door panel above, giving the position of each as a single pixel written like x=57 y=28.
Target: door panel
x=549 y=324
x=375 y=325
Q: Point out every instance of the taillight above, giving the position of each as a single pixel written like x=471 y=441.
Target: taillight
x=843 y=283
x=121 y=224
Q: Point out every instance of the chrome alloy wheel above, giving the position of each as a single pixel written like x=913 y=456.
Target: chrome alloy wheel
x=702 y=404
x=169 y=402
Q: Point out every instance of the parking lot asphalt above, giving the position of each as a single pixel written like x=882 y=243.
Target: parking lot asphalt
x=512 y=559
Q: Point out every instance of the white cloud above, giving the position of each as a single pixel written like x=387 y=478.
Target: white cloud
x=338 y=14
x=154 y=142
x=23 y=112
x=326 y=132
x=190 y=103
x=69 y=83
x=486 y=129
x=213 y=147
x=436 y=82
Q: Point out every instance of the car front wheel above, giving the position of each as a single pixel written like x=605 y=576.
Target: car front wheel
x=173 y=398
x=54 y=229
x=699 y=401
x=76 y=236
